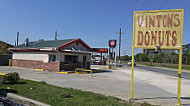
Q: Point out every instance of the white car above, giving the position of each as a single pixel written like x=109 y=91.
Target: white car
x=130 y=63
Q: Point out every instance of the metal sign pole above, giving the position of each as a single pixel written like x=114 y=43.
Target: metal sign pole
x=180 y=60
x=108 y=66
x=132 y=72
x=132 y=68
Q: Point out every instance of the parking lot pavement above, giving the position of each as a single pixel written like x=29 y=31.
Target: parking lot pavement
x=111 y=83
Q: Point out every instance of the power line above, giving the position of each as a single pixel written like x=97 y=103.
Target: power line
x=146 y=4
x=130 y=12
x=123 y=19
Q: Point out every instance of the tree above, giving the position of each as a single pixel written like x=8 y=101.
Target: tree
x=186 y=58
x=141 y=57
x=157 y=58
x=125 y=58
x=174 y=58
x=4 y=48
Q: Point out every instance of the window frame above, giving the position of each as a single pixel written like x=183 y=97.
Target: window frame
x=72 y=58
x=50 y=58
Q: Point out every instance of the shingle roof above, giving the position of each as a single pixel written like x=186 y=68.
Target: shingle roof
x=50 y=43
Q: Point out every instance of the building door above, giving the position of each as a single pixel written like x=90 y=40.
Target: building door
x=84 y=64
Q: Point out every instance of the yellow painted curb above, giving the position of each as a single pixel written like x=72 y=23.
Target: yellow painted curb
x=2 y=74
x=65 y=72
x=40 y=69
x=62 y=72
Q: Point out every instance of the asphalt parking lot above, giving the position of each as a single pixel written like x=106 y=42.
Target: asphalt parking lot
x=148 y=86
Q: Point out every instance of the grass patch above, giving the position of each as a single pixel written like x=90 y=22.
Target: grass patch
x=174 y=66
x=53 y=95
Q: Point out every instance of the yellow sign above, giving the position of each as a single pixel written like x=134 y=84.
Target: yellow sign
x=151 y=60
x=163 y=28
x=157 y=28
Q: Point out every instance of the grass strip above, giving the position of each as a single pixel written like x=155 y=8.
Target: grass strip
x=43 y=92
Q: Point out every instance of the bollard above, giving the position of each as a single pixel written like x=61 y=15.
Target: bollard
x=9 y=62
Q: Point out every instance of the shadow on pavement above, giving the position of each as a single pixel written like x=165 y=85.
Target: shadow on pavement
x=101 y=71
x=182 y=98
x=3 y=92
x=188 y=98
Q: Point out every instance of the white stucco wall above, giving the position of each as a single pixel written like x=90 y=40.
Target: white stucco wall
x=33 y=56
x=79 y=46
x=44 y=56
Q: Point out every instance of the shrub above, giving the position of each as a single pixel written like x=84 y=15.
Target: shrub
x=11 y=78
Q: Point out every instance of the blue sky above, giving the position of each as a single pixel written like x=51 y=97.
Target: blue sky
x=94 y=21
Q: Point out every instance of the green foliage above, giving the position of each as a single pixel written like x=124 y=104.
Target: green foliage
x=157 y=58
x=169 y=58
x=125 y=58
x=52 y=95
x=141 y=57
x=43 y=82
x=4 y=48
x=186 y=58
x=172 y=58
x=11 y=78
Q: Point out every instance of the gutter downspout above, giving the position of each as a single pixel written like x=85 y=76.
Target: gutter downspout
x=59 y=59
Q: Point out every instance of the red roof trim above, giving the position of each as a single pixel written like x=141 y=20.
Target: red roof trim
x=76 y=40
x=59 y=48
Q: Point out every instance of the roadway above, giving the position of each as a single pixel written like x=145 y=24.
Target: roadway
x=161 y=70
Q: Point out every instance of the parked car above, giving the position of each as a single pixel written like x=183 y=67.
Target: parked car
x=130 y=63
x=8 y=102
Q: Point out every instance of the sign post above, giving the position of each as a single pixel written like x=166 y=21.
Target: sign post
x=161 y=29
x=112 y=44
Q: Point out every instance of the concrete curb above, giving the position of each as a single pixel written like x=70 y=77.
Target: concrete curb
x=14 y=96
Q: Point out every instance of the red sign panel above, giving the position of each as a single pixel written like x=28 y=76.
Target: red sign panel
x=100 y=50
x=112 y=43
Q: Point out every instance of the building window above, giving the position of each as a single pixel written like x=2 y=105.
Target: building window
x=70 y=59
x=52 y=58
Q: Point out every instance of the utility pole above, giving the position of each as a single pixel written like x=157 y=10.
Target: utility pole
x=17 y=38
x=120 y=45
x=55 y=35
